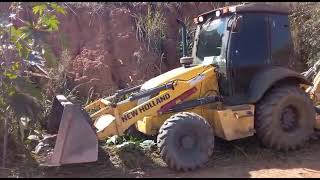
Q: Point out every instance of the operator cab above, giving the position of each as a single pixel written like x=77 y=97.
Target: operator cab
x=242 y=41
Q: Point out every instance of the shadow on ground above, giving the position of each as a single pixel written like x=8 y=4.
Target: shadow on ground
x=247 y=158
x=104 y=167
x=240 y=158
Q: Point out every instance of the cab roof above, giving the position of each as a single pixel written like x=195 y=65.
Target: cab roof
x=263 y=7
x=250 y=7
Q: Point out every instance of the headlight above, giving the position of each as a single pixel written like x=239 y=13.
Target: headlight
x=200 y=19
x=218 y=13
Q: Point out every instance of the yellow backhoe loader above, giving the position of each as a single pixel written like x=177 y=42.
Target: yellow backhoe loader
x=239 y=81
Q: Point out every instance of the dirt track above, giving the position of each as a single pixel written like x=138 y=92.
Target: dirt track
x=241 y=158
x=245 y=158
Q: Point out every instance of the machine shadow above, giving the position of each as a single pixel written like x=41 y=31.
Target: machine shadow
x=244 y=157
x=106 y=166
x=239 y=158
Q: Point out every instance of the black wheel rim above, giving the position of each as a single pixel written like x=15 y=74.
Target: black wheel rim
x=188 y=144
x=289 y=119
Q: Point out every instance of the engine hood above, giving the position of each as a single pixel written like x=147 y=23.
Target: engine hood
x=181 y=73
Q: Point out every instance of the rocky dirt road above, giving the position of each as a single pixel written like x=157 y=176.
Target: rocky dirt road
x=241 y=158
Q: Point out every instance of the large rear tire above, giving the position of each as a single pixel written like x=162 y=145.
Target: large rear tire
x=186 y=141
x=285 y=118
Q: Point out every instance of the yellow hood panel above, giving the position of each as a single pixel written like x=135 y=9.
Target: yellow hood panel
x=180 y=73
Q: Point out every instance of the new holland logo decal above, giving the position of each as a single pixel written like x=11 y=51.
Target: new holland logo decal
x=129 y=115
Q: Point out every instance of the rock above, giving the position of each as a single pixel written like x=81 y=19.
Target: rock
x=42 y=148
x=24 y=121
x=49 y=139
x=39 y=133
x=148 y=145
x=32 y=141
x=33 y=138
x=127 y=146
x=114 y=140
x=46 y=144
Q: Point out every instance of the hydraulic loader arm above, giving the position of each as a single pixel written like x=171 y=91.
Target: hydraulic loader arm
x=116 y=123
x=313 y=74
x=314 y=90
x=118 y=118
x=80 y=129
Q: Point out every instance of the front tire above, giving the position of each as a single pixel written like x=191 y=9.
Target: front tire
x=285 y=118
x=185 y=141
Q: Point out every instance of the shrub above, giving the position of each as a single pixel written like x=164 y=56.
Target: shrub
x=305 y=23
x=151 y=28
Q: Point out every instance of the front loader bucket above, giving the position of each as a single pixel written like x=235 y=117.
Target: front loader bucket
x=76 y=140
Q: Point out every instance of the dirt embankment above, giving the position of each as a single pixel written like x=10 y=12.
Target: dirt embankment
x=105 y=51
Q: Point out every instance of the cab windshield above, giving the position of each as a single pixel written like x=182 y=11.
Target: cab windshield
x=210 y=36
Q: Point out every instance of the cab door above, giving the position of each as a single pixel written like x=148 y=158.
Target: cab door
x=248 y=53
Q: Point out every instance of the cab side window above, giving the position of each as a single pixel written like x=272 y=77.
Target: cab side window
x=281 y=42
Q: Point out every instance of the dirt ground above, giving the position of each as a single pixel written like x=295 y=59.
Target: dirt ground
x=241 y=158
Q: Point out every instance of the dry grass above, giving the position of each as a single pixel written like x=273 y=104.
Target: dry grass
x=150 y=29
x=305 y=25
x=191 y=29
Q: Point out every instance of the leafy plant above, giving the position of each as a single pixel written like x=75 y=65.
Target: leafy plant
x=22 y=50
x=116 y=140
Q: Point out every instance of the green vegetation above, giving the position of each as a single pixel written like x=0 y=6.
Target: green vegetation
x=22 y=51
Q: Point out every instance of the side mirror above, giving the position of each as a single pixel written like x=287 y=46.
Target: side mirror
x=186 y=61
x=235 y=27
x=183 y=37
